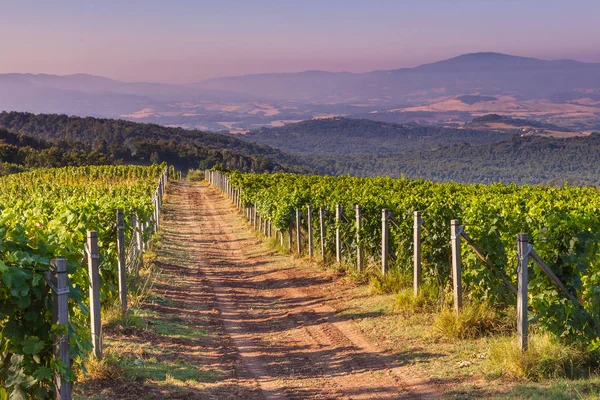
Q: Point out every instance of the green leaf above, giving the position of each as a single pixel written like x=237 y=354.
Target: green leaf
x=32 y=345
x=42 y=373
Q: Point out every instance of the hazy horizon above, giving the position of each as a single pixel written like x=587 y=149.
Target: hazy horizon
x=189 y=41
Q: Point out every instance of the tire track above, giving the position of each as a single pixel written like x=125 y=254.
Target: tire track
x=292 y=344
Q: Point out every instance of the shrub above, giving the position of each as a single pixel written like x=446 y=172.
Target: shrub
x=195 y=175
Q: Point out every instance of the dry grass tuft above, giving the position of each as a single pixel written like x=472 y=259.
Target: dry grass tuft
x=473 y=321
x=392 y=282
x=545 y=358
x=106 y=369
x=429 y=299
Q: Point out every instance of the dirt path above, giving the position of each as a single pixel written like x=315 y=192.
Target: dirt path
x=277 y=329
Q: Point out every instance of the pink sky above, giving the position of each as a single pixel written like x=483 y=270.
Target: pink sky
x=186 y=41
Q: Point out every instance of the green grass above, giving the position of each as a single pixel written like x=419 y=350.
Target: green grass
x=163 y=370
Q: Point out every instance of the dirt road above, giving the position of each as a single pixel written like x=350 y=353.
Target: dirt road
x=232 y=319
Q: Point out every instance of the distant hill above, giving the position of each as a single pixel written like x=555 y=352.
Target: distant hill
x=135 y=142
x=487 y=121
x=54 y=140
x=451 y=91
x=348 y=136
x=19 y=152
x=520 y=159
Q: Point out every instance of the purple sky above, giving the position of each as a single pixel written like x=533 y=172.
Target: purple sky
x=186 y=41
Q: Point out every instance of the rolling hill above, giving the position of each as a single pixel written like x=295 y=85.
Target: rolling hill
x=351 y=136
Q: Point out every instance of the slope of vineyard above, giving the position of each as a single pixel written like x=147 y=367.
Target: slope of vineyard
x=45 y=214
x=563 y=225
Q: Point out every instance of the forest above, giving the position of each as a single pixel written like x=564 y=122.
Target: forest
x=426 y=152
x=45 y=140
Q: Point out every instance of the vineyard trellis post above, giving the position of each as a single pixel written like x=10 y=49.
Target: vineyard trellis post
x=455 y=234
x=359 y=249
x=417 y=252
x=523 y=250
x=298 y=233
x=139 y=232
x=322 y=229
x=134 y=239
x=60 y=316
x=94 y=292
x=290 y=234
x=385 y=243
x=122 y=267
x=254 y=215
x=338 y=233
x=309 y=230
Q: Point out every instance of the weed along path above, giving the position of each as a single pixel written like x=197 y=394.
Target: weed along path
x=285 y=338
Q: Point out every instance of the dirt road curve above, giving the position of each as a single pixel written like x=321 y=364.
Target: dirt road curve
x=280 y=336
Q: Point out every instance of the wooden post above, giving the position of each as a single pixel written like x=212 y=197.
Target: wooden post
x=122 y=264
x=309 y=229
x=522 y=278
x=385 y=233
x=417 y=252
x=94 y=274
x=281 y=238
x=338 y=235
x=134 y=237
x=290 y=230
x=155 y=211
x=140 y=244
x=60 y=316
x=455 y=231
x=322 y=229
x=254 y=215
x=298 y=232
x=359 y=249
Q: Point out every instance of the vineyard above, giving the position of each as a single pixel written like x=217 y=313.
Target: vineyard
x=563 y=225
x=48 y=214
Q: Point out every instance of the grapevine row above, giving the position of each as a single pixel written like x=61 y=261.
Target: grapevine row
x=563 y=225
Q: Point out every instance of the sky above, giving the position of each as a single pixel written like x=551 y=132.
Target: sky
x=182 y=41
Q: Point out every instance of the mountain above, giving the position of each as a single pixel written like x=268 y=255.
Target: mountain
x=477 y=72
x=89 y=95
x=448 y=92
x=352 y=136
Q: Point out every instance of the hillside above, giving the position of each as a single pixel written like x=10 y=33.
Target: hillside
x=520 y=159
x=144 y=143
x=351 y=136
x=491 y=121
